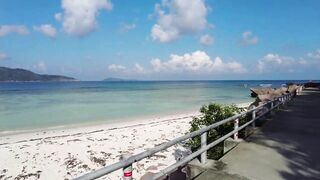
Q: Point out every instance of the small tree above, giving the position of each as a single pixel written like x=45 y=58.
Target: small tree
x=211 y=114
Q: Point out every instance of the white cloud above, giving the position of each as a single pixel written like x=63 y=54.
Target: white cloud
x=46 y=29
x=315 y=54
x=248 y=38
x=116 y=68
x=206 y=40
x=138 y=68
x=198 y=62
x=79 y=16
x=58 y=16
x=303 y=61
x=4 y=56
x=127 y=27
x=275 y=63
x=13 y=29
x=178 y=17
x=40 y=67
x=273 y=58
x=271 y=62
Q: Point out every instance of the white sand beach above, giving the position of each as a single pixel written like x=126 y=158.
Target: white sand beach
x=68 y=153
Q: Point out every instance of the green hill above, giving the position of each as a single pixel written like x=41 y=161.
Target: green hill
x=9 y=74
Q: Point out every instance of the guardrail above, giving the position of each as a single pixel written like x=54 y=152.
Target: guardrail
x=126 y=163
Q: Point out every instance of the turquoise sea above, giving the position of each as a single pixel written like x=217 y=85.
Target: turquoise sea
x=31 y=105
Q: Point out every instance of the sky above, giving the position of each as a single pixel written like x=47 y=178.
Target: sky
x=163 y=39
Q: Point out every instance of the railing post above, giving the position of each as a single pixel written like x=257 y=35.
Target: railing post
x=278 y=104
x=299 y=90
x=236 y=126
x=204 y=144
x=271 y=108
x=127 y=171
x=254 y=118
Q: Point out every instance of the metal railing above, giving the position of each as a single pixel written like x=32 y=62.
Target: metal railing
x=126 y=163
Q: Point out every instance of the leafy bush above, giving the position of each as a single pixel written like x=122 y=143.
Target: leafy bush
x=211 y=114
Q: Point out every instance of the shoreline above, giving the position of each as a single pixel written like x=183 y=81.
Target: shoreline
x=111 y=123
x=114 y=123
x=92 y=127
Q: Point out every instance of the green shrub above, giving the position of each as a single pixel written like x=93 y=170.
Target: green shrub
x=211 y=114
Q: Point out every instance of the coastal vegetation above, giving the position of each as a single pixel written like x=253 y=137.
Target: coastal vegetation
x=211 y=114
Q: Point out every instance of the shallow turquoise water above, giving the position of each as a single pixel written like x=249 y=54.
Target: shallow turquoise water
x=41 y=105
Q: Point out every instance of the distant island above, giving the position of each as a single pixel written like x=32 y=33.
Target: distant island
x=113 y=79
x=9 y=74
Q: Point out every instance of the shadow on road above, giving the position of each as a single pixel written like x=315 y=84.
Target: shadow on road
x=295 y=135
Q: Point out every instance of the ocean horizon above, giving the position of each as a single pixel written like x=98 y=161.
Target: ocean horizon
x=39 y=105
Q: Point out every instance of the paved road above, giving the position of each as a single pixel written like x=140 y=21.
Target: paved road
x=286 y=147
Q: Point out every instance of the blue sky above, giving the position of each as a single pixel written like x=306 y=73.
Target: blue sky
x=157 y=40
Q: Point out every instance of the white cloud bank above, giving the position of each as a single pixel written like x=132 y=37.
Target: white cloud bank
x=13 y=29
x=79 y=16
x=116 y=68
x=248 y=38
x=46 y=29
x=136 y=69
x=127 y=27
x=178 y=17
x=206 y=40
x=4 y=56
x=274 y=62
x=198 y=62
x=315 y=54
x=40 y=67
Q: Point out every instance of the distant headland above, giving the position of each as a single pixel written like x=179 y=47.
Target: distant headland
x=22 y=75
